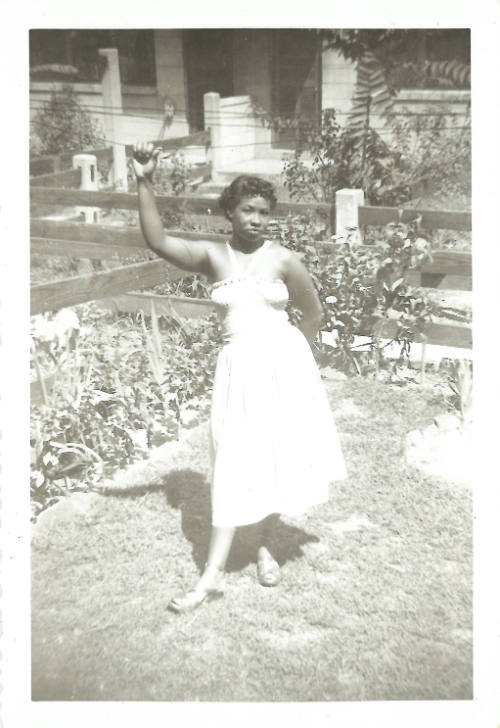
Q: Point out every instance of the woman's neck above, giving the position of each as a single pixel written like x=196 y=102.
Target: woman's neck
x=245 y=246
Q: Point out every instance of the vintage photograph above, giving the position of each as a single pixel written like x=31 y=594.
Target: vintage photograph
x=251 y=364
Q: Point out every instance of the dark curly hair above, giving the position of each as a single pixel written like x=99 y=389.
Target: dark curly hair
x=246 y=185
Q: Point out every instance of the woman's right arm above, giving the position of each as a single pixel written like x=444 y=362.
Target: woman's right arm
x=186 y=255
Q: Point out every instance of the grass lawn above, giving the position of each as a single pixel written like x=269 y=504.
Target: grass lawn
x=375 y=602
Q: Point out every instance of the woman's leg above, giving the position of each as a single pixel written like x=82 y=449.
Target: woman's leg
x=268 y=525
x=267 y=568
x=221 y=540
x=211 y=582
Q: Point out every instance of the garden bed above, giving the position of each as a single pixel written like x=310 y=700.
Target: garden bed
x=119 y=385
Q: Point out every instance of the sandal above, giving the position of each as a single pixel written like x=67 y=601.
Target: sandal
x=268 y=571
x=192 y=599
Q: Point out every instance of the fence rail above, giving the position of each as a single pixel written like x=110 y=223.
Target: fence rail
x=101 y=242
x=435 y=219
x=457 y=335
x=200 y=205
x=109 y=241
x=432 y=219
x=68 y=178
x=79 y=289
x=49 y=163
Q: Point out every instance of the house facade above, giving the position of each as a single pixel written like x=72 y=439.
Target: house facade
x=282 y=70
x=165 y=75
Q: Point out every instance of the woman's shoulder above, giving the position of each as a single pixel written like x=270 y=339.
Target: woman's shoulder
x=280 y=250
x=285 y=256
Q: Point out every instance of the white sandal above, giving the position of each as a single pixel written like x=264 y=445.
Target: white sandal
x=193 y=598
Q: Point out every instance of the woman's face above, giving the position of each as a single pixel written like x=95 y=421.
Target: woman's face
x=250 y=218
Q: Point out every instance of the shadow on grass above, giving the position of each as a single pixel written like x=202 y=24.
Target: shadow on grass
x=189 y=491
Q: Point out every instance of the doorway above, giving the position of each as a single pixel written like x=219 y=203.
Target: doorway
x=208 y=58
x=296 y=60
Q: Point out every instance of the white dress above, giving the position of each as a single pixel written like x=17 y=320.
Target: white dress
x=274 y=445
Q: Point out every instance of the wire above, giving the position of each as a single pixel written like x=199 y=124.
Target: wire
x=221 y=146
x=105 y=109
x=257 y=125
x=119 y=109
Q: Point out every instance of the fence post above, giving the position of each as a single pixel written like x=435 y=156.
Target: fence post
x=211 y=110
x=346 y=213
x=87 y=164
x=112 y=101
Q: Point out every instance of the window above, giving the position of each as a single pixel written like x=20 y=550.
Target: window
x=79 y=48
x=421 y=46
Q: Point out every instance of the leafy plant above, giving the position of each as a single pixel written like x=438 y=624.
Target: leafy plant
x=434 y=150
x=63 y=125
x=398 y=49
x=171 y=177
x=372 y=96
x=344 y=158
x=460 y=383
x=452 y=74
x=431 y=152
x=121 y=390
x=357 y=156
x=362 y=289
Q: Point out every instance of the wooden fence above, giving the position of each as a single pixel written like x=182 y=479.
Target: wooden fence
x=104 y=242
x=51 y=163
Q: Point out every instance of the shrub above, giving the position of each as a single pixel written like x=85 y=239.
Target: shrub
x=362 y=288
x=62 y=125
x=338 y=161
x=435 y=150
x=432 y=150
x=119 y=389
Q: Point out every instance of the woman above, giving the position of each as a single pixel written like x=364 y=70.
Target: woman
x=274 y=444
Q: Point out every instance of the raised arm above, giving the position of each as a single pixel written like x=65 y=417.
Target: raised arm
x=303 y=296
x=181 y=253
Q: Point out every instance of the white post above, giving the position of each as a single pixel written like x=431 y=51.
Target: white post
x=112 y=100
x=211 y=110
x=87 y=163
x=346 y=213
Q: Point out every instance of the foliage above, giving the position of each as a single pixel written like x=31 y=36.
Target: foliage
x=63 y=125
x=459 y=377
x=372 y=97
x=397 y=50
x=363 y=288
x=432 y=149
x=118 y=390
x=430 y=74
x=339 y=159
x=171 y=177
x=387 y=44
x=358 y=155
x=189 y=286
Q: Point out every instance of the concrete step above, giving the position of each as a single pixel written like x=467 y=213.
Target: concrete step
x=209 y=189
x=269 y=167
